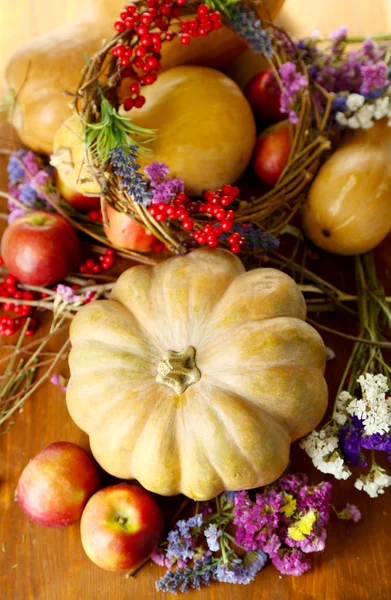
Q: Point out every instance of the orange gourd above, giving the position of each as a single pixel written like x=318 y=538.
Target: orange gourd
x=348 y=210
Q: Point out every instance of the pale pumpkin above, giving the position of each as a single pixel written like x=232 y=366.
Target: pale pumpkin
x=42 y=70
x=206 y=128
x=69 y=159
x=348 y=210
x=195 y=376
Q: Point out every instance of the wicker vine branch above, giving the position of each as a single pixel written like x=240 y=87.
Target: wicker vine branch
x=271 y=211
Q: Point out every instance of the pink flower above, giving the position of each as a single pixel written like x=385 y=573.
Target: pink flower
x=290 y=562
x=158 y=558
x=293 y=82
x=40 y=180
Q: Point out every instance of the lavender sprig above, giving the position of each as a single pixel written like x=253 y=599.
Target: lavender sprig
x=124 y=162
x=247 y=25
x=256 y=239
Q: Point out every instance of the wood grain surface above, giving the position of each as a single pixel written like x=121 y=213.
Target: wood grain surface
x=44 y=564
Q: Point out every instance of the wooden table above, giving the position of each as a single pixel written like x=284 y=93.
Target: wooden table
x=44 y=564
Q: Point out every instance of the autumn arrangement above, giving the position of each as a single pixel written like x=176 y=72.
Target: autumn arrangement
x=194 y=371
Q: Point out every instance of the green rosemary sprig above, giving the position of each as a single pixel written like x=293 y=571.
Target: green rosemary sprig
x=113 y=131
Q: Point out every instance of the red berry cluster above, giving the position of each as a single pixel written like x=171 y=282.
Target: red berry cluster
x=106 y=261
x=215 y=206
x=203 y=24
x=95 y=215
x=10 y=325
x=150 y=27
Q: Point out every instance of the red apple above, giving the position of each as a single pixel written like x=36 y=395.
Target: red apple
x=55 y=486
x=128 y=233
x=263 y=94
x=272 y=151
x=40 y=248
x=79 y=202
x=120 y=527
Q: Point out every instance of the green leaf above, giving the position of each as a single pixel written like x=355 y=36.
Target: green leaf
x=113 y=131
x=224 y=6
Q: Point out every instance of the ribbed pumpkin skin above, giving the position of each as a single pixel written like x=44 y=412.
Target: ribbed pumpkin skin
x=261 y=383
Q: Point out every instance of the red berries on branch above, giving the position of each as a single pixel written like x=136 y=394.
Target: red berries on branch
x=149 y=29
x=93 y=267
x=9 y=289
x=214 y=206
x=203 y=24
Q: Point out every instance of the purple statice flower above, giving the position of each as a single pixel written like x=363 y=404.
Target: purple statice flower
x=292 y=483
x=272 y=544
x=350 y=442
x=16 y=213
x=290 y=562
x=28 y=195
x=315 y=542
x=292 y=83
x=339 y=34
x=185 y=526
x=339 y=104
x=350 y=513
x=67 y=294
x=124 y=162
x=285 y=43
x=247 y=25
x=316 y=498
x=15 y=167
x=40 y=180
x=31 y=164
x=241 y=571
x=212 y=535
x=157 y=171
x=256 y=522
x=166 y=190
x=374 y=76
x=379 y=442
x=179 y=547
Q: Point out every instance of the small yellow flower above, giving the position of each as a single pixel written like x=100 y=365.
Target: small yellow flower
x=303 y=526
x=289 y=508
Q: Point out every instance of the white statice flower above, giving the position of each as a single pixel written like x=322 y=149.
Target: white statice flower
x=333 y=464
x=341 y=119
x=355 y=101
x=381 y=108
x=321 y=446
x=374 y=482
x=364 y=116
x=373 y=409
x=340 y=415
x=353 y=122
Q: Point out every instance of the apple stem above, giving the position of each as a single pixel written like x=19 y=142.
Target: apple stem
x=121 y=520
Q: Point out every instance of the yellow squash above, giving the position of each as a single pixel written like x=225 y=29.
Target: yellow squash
x=206 y=129
x=196 y=376
x=348 y=210
x=40 y=73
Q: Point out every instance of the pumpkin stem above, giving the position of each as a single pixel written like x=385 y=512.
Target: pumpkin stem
x=178 y=370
